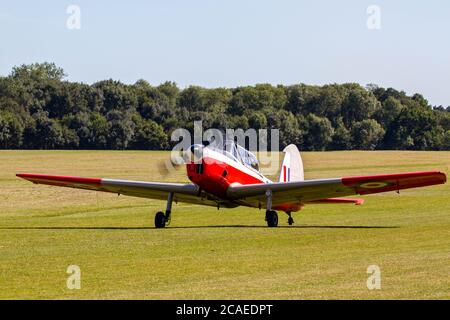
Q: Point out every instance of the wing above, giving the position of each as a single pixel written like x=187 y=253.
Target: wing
x=188 y=193
x=301 y=192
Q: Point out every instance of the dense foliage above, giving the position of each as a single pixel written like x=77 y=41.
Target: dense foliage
x=40 y=110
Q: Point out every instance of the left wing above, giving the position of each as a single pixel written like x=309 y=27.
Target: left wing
x=188 y=193
x=301 y=192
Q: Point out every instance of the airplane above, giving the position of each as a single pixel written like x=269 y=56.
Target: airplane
x=229 y=176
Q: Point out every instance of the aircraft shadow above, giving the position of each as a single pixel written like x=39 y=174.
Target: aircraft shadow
x=287 y=227
x=200 y=227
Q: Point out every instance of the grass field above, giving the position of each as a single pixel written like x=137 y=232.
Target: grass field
x=226 y=254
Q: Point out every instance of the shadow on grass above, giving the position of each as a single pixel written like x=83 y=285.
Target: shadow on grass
x=198 y=227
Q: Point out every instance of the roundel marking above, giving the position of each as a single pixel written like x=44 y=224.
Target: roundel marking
x=374 y=184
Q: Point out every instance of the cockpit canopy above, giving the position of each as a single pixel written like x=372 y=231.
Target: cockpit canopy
x=238 y=154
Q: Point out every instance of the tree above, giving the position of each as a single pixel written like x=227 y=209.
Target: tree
x=358 y=105
x=38 y=72
x=412 y=129
x=342 y=138
x=389 y=111
x=149 y=135
x=40 y=109
x=217 y=100
x=171 y=91
x=302 y=99
x=288 y=126
x=244 y=98
x=257 y=120
x=329 y=102
x=47 y=133
x=120 y=129
x=71 y=139
x=238 y=122
x=99 y=131
x=153 y=104
x=367 y=134
x=192 y=99
x=417 y=97
x=81 y=126
x=259 y=97
x=318 y=133
x=116 y=95
x=11 y=130
x=446 y=141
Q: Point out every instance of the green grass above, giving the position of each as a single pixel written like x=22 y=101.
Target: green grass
x=226 y=254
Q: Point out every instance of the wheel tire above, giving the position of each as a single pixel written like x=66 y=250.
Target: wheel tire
x=160 y=220
x=272 y=219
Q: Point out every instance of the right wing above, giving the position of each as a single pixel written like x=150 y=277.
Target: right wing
x=326 y=190
x=188 y=193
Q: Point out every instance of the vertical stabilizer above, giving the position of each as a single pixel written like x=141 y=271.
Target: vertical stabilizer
x=292 y=167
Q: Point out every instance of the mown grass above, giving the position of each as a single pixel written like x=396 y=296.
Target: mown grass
x=226 y=254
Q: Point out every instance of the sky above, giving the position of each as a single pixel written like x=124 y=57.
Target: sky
x=229 y=43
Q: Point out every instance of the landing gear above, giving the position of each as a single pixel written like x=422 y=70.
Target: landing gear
x=160 y=220
x=163 y=219
x=272 y=218
x=290 y=219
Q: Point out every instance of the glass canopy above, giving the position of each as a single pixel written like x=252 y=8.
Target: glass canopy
x=238 y=154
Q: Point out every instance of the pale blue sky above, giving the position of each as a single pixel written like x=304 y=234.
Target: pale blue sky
x=236 y=42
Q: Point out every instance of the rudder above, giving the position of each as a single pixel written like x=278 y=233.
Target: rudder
x=292 y=166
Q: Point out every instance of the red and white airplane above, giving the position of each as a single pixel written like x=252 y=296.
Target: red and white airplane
x=229 y=177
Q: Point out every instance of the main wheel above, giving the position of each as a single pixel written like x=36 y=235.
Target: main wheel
x=160 y=220
x=272 y=219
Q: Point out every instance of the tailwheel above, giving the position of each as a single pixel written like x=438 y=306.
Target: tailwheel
x=272 y=218
x=160 y=220
x=290 y=219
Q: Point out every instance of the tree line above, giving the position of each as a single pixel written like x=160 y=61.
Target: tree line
x=39 y=109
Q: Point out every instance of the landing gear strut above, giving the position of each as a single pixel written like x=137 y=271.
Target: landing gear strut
x=163 y=219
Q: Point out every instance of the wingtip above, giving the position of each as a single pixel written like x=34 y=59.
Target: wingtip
x=45 y=178
x=444 y=175
x=25 y=175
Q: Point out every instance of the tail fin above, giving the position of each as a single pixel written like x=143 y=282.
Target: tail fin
x=292 y=167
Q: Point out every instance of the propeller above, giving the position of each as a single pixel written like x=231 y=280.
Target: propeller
x=193 y=154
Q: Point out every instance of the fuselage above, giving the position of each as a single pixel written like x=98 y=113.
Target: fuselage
x=216 y=171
